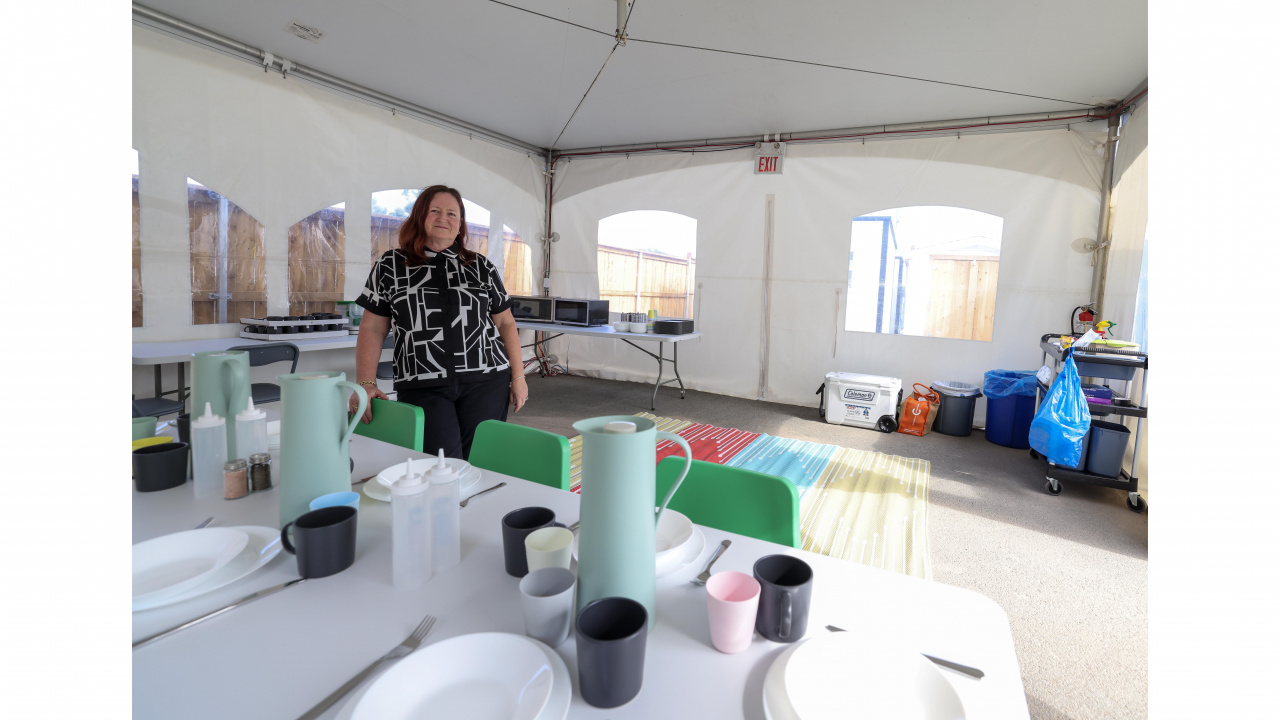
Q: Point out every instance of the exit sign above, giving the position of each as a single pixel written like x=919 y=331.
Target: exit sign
x=769 y=155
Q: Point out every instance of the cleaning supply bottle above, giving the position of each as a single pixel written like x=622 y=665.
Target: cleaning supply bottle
x=410 y=531
x=446 y=521
x=251 y=431
x=208 y=452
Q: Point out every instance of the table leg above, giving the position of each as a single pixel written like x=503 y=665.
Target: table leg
x=157 y=373
x=182 y=382
x=653 y=406
x=675 y=365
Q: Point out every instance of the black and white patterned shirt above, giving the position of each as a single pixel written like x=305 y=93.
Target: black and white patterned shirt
x=440 y=315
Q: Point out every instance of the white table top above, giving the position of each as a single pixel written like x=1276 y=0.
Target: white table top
x=276 y=657
x=159 y=353
x=602 y=331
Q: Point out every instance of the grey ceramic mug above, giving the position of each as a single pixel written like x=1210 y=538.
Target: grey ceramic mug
x=611 y=635
x=786 y=583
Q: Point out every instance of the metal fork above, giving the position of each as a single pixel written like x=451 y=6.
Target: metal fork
x=410 y=644
x=705 y=575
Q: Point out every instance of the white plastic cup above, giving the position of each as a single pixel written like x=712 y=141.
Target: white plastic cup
x=546 y=597
x=548 y=547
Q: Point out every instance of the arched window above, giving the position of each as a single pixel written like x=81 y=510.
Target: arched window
x=517 y=267
x=317 y=261
x=926 y=270
x=228 y=259
x=391 y=207
x=646 y=260
x=137 y=249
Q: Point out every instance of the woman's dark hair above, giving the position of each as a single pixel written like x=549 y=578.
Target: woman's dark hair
x=413 y=238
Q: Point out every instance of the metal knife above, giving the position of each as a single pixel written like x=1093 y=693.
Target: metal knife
x=242 y=601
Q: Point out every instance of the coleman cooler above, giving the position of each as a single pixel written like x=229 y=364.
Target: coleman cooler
x=865 y=401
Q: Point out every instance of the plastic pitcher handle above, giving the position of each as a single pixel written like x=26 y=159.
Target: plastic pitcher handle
x=239 y=379
x=688 y=460
x=364 y=403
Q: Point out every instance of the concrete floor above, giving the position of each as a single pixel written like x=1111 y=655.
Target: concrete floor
x=1070 y=571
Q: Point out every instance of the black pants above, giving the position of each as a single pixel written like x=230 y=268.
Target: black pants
x=454 y=411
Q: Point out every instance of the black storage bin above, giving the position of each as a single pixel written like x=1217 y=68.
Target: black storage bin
x=1107 y=443
x=955 y=413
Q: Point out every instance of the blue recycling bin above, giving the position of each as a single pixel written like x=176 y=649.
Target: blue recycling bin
x=1011 y=406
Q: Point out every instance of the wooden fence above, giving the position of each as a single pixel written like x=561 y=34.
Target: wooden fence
x=962 y=301
x=635 y=281
x=317 y=262
x=246 y=266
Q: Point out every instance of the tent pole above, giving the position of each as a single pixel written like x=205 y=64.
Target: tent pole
x=1103 y=245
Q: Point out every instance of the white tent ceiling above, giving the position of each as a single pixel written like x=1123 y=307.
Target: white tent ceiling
x=523 y=75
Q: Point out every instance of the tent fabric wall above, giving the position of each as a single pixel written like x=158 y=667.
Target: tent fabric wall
x=1124 y=266
x=1046 y=186
x=282 y=149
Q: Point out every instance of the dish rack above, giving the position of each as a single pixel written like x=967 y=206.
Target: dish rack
x=284 y=330
x=1112 y=363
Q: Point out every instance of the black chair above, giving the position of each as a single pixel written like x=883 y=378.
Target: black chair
x=156 y=407
x=386 y=370
x=267 y=354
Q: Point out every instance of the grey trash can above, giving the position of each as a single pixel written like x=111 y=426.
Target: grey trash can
x=1107 y=442
x=955 y=413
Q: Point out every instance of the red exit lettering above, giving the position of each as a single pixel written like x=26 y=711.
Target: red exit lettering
x=767 y=164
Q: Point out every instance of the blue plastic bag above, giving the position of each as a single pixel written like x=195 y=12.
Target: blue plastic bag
x=1061 y=422
x=1007 y=383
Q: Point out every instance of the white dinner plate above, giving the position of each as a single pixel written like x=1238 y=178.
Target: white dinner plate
x=379 y=488
x=171 y=563
x=861 y=675
x=482 y=676
x=670 y=563
x=776 y=706
x=263 y=545
x=557 y=707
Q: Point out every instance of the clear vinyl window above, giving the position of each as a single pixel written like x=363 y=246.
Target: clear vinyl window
x=646 y=261
x=517 y=263
x=317 y=261
x=137 y=249
x=924 y=270
x=228 y=259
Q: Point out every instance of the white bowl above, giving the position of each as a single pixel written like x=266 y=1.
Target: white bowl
x=674 y=531
x=621 y=326
x=639 y=327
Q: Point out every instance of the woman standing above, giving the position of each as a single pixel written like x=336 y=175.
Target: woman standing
x=457 y=351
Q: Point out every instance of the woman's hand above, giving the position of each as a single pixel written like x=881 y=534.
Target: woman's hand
x=519 y=392
x=373 y=392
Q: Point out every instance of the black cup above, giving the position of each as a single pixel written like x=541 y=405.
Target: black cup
x=325 y=540
x=786 y=583
x=160 y=467
x=611 y=636
x=516 y=526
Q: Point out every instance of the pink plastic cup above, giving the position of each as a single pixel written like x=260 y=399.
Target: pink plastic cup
x=732 y=599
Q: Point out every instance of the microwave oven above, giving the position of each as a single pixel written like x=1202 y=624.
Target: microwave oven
x=531 y=309
x=571 y=311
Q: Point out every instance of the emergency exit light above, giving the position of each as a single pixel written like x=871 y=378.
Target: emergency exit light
x=768 y=158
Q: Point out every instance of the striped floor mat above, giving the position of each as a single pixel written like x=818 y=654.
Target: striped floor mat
x=858 y=505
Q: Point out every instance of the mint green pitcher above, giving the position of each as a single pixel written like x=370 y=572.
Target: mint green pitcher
x=221 y=379
x=314 y=438
x=616 y=551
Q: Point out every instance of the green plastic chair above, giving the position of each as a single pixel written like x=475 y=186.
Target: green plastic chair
x=396 y=423
x=734 y=500
x=527 y=453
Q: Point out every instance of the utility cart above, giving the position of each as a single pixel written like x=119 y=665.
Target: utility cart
x=1110 y=363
